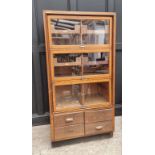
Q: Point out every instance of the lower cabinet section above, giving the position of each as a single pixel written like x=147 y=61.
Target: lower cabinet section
x=69 y=132
x=82 y=123
x=61 y=120
x=98 y=115
x=97 y=128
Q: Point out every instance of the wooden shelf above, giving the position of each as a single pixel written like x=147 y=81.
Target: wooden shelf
x=91 y=100
x=89 y=63
x=94 y=99
x=67 y=37
x=67 y=64
x=61 y=64
x=67 y=31
x=85 y=30
x=62 y=103
x=79 y=63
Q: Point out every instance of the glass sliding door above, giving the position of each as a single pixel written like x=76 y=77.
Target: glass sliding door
x=95 y=63
x=68 y=96
x=67 y=65
x=96 y=93
x=95 y=31
x=65 y=32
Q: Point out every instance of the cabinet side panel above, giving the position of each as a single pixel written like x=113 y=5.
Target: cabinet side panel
x=114 y=57
x=48 y=74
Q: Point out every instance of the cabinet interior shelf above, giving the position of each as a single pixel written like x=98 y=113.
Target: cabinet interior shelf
x=66 y=31
x=84 y=30
x=88 y=101
x=91 y=63
x=78 y=62
x=67 y=64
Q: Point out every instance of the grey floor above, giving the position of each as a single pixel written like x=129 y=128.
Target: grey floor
x=95 y=145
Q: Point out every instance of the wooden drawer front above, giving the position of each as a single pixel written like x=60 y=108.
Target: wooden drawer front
x=99 y=127
x=98 y=115
x=61 y=120
x=67 y=132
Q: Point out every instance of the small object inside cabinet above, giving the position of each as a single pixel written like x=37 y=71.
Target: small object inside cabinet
x=80 y=57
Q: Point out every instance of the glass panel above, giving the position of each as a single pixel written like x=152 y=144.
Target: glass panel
x=65 y=32
x=95 y=31
x=68 y=96
x=67 y=65
x=96 y=93
x=95 y=63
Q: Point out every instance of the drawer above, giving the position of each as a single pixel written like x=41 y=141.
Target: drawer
x=98 y=115
x=99 y=127
x=61 y=120
x=68 y=132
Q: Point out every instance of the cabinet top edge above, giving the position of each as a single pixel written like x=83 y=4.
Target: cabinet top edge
x=50 y=12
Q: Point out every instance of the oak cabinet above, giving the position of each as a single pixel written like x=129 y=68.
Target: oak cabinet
x=80 y=57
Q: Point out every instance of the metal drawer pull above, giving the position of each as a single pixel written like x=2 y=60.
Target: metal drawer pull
x=69 y=119
x=99 y=127
x=82 y=46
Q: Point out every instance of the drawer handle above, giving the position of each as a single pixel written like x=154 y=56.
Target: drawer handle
x=69 y=119
x=99 y=127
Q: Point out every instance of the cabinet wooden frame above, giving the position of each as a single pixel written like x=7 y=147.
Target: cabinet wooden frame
x=88 y=48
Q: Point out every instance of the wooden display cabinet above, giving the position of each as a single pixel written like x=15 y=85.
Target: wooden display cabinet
x=80 y=57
